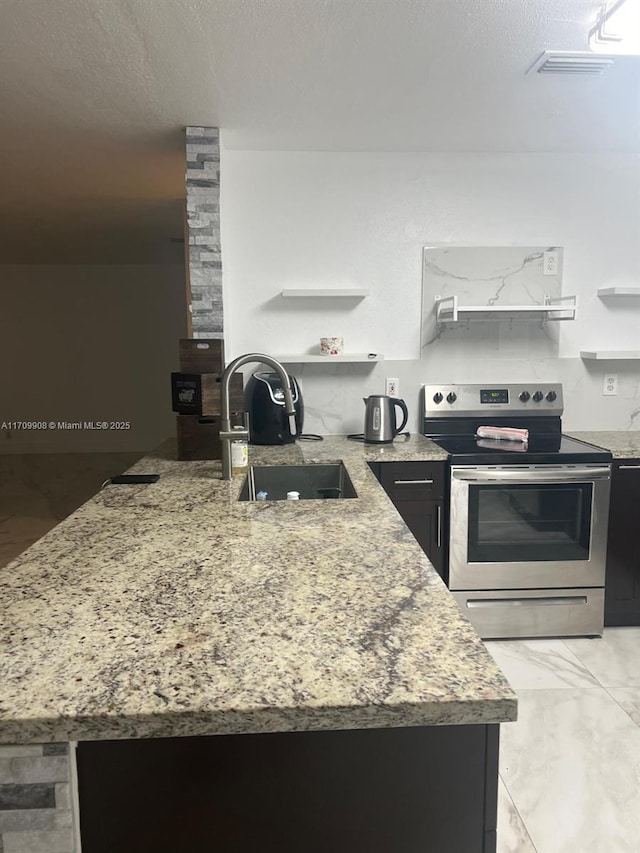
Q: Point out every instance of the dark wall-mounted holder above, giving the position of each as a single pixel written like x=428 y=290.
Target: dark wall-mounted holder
x=195 y=397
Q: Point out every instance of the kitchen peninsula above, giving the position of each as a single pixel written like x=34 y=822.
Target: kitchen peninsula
x=359 y=708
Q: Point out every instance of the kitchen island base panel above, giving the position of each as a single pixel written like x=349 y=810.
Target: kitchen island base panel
x=406 y=790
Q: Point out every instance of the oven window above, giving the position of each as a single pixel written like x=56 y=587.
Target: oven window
x=526 y=523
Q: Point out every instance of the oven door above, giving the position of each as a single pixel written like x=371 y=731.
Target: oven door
x=528 y=526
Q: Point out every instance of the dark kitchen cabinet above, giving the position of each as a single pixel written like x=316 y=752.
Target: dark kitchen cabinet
x=431 y=789
x=622 y=588
x=417 y=490
x=424 y=520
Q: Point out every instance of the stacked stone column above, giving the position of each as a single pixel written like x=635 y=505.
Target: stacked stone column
x=204 y=256
x=36 y=803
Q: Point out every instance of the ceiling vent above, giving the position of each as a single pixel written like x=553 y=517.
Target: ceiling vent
x=578 y=62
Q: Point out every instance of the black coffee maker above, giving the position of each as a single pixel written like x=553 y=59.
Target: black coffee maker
x=264 y=400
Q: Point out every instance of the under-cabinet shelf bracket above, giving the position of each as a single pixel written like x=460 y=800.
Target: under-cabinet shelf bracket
x=561 y=307
x=449 y=310
x=446 y=309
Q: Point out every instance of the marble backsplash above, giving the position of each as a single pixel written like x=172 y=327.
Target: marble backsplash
x=488 y=276
x=333 y=392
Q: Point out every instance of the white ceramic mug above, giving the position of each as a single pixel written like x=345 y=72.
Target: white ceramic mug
x=331 y=346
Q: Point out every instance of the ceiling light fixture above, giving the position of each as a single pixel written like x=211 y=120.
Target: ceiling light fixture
x=617 y=29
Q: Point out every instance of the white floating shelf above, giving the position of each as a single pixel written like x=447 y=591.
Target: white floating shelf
x=331 y=359
x=448 y=309
x=618 y=291
x=610 y=355
x=353 y=292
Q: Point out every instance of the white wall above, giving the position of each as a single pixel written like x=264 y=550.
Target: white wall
x=89 y=343
x=311 y=219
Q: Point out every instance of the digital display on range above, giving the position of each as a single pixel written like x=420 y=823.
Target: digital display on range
x=494 y=395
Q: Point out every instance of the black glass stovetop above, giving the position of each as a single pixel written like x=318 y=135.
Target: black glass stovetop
x=540 y=450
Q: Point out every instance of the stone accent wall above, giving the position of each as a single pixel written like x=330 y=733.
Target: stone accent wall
x=204 y=264
x=36 y=800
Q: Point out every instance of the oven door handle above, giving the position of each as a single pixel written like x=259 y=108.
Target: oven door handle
x=570 y=475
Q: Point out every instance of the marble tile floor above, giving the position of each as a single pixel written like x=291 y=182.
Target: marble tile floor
x=570 y=765
x=38 y=490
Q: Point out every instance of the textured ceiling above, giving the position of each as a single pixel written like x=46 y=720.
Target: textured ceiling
x=94 y=93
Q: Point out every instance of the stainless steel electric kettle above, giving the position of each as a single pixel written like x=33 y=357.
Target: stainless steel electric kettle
x=380 y=418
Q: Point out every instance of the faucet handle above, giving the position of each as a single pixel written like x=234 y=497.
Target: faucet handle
x=237 y=431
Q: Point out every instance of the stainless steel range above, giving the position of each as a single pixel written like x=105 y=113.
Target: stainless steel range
x=527 y=520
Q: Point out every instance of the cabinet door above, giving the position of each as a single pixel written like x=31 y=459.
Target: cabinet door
x=622 y=588
x=417 y=489
x=425 y=519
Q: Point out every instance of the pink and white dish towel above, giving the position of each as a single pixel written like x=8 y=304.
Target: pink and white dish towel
x=503 y=433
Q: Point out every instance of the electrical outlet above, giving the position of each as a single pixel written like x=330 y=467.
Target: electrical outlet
x=393 y=387
x=550 y=263
x=610 y=385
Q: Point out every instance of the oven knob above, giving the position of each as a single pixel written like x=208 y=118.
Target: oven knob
x=524 y=396
x=437 y=398
x=538 y=396
x=451 y=397
x=551 y=396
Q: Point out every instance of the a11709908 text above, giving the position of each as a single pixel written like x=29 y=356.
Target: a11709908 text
x=65 y=425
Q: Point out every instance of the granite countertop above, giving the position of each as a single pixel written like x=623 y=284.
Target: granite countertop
x=173 y=609
x=623 y=445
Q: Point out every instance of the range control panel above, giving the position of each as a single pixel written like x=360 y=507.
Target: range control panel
x=447 y=401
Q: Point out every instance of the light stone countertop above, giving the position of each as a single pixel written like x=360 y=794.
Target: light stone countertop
x=623 y=445
x=173 y=609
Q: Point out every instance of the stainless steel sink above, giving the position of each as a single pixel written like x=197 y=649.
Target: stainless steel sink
x=315 y=481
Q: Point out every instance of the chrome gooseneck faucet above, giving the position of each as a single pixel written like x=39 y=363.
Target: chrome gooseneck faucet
x=227 y=435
